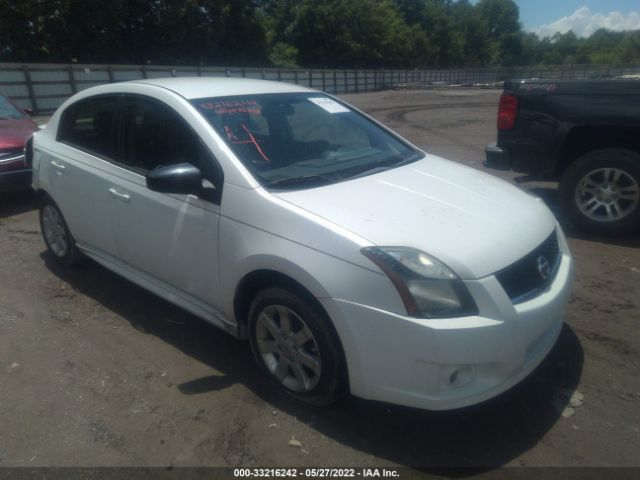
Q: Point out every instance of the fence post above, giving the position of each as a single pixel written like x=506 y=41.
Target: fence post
x=72 y=80
x=356 y=79
x=244 y=74
x=324 y=84
x=110 y=74
x=32 y=96
x=279 y=75
x=346 y=87
x=143 y=69
x=310 y=77
x=295 y=77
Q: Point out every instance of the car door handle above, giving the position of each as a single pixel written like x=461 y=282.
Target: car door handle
x=58 y=166
x=120 y=196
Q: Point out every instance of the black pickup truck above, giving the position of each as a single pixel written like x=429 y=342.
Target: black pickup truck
x=585 y=134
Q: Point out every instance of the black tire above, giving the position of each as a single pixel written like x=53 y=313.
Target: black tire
x=330 y=384
x=592 y=164
x=69 y=255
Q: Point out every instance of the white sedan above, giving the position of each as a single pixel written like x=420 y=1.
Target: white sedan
x=351 y=260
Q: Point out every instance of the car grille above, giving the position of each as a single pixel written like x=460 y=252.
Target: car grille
x=527 y=277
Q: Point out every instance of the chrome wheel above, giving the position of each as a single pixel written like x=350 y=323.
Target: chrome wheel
x=288 y=348
x=607 y=194
x=54 y=231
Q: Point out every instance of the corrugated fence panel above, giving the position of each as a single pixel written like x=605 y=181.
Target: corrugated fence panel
x=49 y=75
x=12 y=75
x=213 y=73
x=51 y=89
x=123 y=75
x=49 y=104
x=91 y=75
x=84 y=86
x=43 y=87
x=14 y=90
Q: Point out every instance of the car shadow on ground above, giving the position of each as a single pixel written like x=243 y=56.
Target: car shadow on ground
x=16 y=202
x=480 y=437
x=550 y=196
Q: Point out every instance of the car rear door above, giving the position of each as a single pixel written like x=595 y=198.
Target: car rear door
x=79 y=169
x=169 y=237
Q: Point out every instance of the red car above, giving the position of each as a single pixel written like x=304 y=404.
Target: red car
x=15 y=129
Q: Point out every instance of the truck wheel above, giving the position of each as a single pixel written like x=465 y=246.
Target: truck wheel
x=296 y=347
x=600 y=191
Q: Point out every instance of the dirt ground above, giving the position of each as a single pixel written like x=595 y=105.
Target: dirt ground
x=95 y=371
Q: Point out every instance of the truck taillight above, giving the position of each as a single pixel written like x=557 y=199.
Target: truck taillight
x=507 y=112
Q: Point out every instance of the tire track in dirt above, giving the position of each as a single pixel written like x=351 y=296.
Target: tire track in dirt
x=399 y=113
x=427 y=106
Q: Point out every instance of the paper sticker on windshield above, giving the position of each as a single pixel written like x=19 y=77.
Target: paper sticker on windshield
x=329 y=105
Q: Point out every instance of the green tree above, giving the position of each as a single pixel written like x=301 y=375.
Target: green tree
x=350 y=33
x=628 y=50
x=479 y=49
x=502 y=20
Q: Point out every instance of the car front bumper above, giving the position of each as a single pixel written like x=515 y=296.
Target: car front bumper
x=442 y=364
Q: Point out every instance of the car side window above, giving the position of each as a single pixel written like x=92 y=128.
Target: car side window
x=90 y=125
x=154 y=136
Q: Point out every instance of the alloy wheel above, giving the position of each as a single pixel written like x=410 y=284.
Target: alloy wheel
x=607 y=194
x=288 y=348
x=54 y=231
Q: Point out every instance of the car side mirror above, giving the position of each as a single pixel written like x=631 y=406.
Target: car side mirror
x=181 y=178
x=28 y=111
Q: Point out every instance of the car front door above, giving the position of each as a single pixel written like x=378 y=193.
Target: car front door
x=169 y=237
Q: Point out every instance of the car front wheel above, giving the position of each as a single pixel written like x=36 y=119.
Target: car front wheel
x=600 y=191
x=295 y=345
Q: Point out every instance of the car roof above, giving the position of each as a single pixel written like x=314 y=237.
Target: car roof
x=204 y=87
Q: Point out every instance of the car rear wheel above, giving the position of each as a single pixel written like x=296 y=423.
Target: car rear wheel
x=600 y=191
x=295 y=345
x=56 y=234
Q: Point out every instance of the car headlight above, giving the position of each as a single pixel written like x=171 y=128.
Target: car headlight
x=428 y=288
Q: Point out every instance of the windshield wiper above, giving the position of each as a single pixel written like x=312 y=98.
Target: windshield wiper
x=293 y=181
x=384 y=165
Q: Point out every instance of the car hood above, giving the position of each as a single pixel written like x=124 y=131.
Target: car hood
x=14 y=133
x=474 y=222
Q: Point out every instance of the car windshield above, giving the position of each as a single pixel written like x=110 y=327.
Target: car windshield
x=8 y=111
x=302 y=140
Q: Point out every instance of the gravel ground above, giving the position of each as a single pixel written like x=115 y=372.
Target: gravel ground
x=94 y=371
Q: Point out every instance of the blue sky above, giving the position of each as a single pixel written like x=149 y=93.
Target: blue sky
x=546 y=17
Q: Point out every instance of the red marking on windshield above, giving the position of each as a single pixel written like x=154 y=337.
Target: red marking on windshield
x=255 y=142
x=233 y=138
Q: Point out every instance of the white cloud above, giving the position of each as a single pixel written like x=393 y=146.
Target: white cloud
x=584 y=23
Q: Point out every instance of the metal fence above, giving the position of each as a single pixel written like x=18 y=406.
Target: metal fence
x=43 y=87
